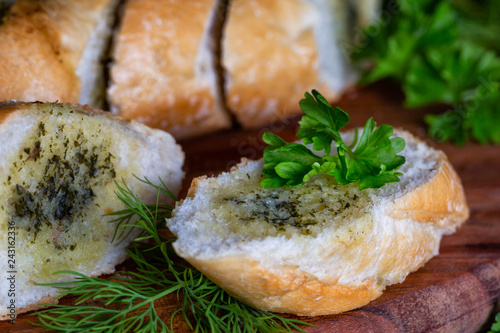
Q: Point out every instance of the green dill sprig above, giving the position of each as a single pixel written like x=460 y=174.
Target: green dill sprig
x=126 y=301
x=150 y=217
x=371 y=162
x=126 y=305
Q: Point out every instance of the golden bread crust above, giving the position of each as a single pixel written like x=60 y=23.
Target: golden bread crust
x=270 y=57
x=51 y=299
x=440 y=201
x=194 y=185
x=287 y=291
x=33 y=68
x=42 y=44
x=6 y=108
x=154 y=75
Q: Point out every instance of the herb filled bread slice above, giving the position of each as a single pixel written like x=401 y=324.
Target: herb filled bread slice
x=59 y=165
x=54 y=50
x=323 y=248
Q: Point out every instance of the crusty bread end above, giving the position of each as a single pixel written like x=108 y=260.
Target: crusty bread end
x=57 y=181
x=323 y=248
x=52 y=51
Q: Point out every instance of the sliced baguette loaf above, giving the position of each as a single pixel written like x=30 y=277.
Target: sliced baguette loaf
x=274 y=50
x=59 y=165
x=164 y=70
x=53 y=51
x=322 y=248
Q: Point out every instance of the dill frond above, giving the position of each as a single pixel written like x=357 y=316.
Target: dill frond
x=126 y=301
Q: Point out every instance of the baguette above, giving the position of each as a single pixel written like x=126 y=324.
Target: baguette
x=53 y=51
x=273 y=51
x=59 y=165
x=322 y=248
x=182 y=66
x=164 y=69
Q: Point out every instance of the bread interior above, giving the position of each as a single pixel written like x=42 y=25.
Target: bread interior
x=256 y=212
x=333 y=36
x=56 y=185
x=91 y=68
x=238 y=206
x=233 y=208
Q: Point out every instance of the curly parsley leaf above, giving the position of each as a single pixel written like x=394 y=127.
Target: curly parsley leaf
x=327 y=168
x=372 y=161
x=286 y=164
x=449 y=77
x=478 y=116
x=322 y=123
x=440 y=52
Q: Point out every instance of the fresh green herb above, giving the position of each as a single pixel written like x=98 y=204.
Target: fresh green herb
x=372 y=161
x=442 y=52
x=495 y=328
x=126 y=301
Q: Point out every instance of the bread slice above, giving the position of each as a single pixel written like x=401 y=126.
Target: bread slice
x=164 y=70
x=53 y=51
x=322 y=248
x=274 y=50
x=58 y=167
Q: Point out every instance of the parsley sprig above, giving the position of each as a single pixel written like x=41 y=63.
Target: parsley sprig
x=126 y=301
x=495 y=327
x=372 y=161
x=442 y=52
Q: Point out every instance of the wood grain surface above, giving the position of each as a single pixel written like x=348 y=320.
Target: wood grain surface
x=457 y=291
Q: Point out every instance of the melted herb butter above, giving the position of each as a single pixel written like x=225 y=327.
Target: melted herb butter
x=53 y=182
x=260 y=212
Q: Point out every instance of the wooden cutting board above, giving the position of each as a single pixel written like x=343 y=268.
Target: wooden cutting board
x=457 y=291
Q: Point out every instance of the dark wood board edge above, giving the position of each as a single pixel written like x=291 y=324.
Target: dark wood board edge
x=449 y=306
